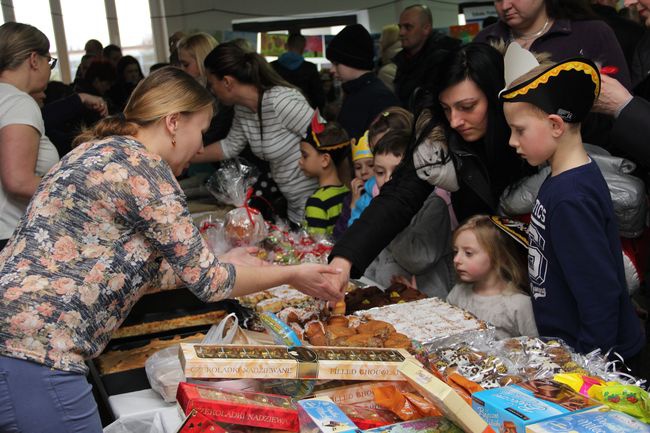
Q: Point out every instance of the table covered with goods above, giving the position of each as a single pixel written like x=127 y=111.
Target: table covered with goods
x=388 y=360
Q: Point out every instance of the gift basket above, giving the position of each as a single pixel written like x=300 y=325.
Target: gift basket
x=233 y=184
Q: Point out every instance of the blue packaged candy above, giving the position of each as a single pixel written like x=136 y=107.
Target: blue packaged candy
x=593 y=421
x=512 y=408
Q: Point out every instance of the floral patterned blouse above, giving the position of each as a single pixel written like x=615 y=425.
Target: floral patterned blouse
x=91 y=242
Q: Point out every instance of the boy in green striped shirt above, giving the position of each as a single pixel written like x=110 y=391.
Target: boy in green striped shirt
x=322 y=149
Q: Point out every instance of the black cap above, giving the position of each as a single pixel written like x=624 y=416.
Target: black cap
x=352 y=47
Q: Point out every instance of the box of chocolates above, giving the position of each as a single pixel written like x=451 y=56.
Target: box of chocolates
x=359 y=394
x=591 y=421
x=242 y=408
x=512 y=408
x=445 y=398
x=423 y=425
x=233 y=361
x=321 y=415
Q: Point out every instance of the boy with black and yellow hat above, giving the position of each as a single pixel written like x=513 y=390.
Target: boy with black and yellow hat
x=575 y=261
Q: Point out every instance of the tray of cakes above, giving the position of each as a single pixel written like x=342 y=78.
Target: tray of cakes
x=425 y=320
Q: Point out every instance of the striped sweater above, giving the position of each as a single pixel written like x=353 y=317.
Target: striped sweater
x=285 y=118
x=324 y=208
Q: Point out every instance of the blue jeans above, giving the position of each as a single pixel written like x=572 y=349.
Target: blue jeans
x=38 y=399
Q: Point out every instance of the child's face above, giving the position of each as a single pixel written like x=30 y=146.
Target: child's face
x=531 y=135
x=363 y=168
x=471 y=261
x=310 y=160
x=384 y=167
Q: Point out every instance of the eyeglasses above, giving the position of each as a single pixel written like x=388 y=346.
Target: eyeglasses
x=52 y=61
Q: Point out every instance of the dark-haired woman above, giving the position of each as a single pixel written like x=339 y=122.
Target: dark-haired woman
x=563 y=28
x=270 y=115
x=129 y=75
x=92 y=240
x=465 y=103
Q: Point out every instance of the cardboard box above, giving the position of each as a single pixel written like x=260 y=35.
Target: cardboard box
x=234 y=361
x=359 y=394
x=322 y=415
x=243 y=408
x=510 y=409
x=198 y=423
x=424 y=425
x=592 y=421
x=445 y=399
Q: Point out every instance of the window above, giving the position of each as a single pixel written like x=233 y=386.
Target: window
x=136 y=38
x=83 y=21
x=37 y=14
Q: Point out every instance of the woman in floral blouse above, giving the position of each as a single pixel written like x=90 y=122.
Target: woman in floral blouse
x=93 y=239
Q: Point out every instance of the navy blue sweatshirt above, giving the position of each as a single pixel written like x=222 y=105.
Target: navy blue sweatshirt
x=575 y=265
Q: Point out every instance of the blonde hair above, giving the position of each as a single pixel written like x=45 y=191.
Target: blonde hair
x=501 y=249
x=165 y=91
x=198 y=45
x=17 y=42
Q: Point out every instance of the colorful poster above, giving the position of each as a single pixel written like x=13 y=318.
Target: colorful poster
x=314 y=46
x=273 y=44
x=465 y=33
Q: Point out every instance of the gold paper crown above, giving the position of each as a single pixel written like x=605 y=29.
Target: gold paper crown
x=361 y=148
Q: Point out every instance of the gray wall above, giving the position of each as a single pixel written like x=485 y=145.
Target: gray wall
x=181 y=13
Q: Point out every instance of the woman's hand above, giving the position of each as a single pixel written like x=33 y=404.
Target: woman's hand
x=341 y=279
x=94 y=103
x=243 y=256
x=356 y=187
x=613 y=96
x=317 y=280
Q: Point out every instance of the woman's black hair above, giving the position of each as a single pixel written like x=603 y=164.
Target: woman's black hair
x=123 y=63
x=246 y=67
x=482 y=64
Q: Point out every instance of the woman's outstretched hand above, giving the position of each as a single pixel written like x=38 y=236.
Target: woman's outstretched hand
x=319 y=281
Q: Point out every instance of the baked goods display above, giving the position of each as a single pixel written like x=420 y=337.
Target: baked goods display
x=116 y=361
x=209 y=318
x=365 y=298
x=351 y=331
x=426 y=320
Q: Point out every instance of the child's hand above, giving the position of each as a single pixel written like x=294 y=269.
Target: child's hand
x=401 y=279
x=356 y=187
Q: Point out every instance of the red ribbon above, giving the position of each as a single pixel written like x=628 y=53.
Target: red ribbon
x=250 y=210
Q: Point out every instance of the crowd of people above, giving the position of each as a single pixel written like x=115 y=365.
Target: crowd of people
x=409 y=170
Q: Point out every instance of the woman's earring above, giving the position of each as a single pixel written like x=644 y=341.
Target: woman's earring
x=173 y=140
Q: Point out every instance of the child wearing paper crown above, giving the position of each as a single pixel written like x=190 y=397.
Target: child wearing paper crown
x=362 y=161
x=492 y=275
x=575 y=265
x=323 y=148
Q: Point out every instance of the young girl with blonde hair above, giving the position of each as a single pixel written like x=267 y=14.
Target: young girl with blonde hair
x=492 y=276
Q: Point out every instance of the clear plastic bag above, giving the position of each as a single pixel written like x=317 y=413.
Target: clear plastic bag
x=232 y=184
x=144 y=423
x=164 y=369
